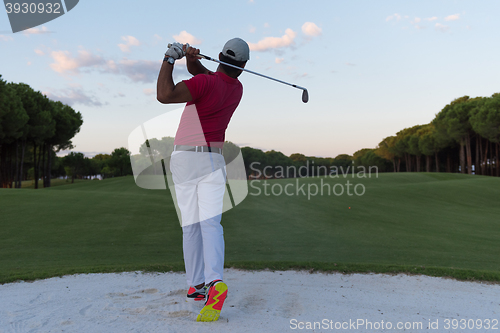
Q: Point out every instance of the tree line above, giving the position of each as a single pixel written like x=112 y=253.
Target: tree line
x=33 y=129
x=275 y=164
x=78 y=166
x=269 y=164
x=32 y=123
x=463 y=137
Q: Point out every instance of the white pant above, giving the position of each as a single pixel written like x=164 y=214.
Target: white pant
x=199 y=180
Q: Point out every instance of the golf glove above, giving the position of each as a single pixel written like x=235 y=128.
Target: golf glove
x=175 y=51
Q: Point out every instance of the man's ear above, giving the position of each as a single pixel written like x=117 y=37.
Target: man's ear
x=220 y=56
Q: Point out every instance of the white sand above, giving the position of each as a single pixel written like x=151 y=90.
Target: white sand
x=261 y=301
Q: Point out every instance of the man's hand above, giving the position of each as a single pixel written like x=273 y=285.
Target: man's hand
x=176 y=51
x=193 y=63
x=191 y=53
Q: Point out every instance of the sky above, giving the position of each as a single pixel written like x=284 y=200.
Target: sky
x=371 y=68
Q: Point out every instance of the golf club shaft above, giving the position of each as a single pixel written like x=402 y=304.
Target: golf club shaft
x=249 y=71
x=246 y=70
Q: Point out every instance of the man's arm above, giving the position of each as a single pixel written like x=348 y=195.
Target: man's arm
x=166 y=91
x=194 y=65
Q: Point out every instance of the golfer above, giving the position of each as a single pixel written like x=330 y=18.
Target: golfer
x=197 y=164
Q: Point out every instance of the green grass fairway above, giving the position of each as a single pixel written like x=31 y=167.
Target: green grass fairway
x=435 y=224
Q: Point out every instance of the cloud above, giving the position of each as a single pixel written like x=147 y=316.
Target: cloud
x=252 y=29
x=299 y=76
x=279 y=60
x=5 y=38
x=395 y=16
x=144 y=71
x=141 y=71
x=453 y=17
x=65 y=63
x=266 y=25
x=149 y=92
x=274 y=42
x=185 y=37
x=441 y=27
x=350 y=64
x=36 y=31
x=129 y=42
x=181 y=62
x=157 y=39
x=417 y=21
x=72 y=96
x=311 y=29
x=111 y=66
x=39 y=52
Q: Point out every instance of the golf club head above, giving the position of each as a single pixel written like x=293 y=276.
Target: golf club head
x=305 y=96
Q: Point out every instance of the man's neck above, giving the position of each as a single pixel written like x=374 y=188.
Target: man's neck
x=221 y=69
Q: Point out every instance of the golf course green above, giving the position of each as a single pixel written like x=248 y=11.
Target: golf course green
x=427 y=223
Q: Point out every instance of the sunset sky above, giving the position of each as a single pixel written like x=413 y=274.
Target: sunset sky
x=372 y=68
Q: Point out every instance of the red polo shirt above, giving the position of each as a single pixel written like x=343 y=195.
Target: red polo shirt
x=205 y=119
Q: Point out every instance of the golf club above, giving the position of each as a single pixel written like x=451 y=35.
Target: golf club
x=305 y=93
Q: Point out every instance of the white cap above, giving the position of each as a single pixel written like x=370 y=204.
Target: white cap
x=236 y=49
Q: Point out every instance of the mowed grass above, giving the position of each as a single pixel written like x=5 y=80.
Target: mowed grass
x=435 y=224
